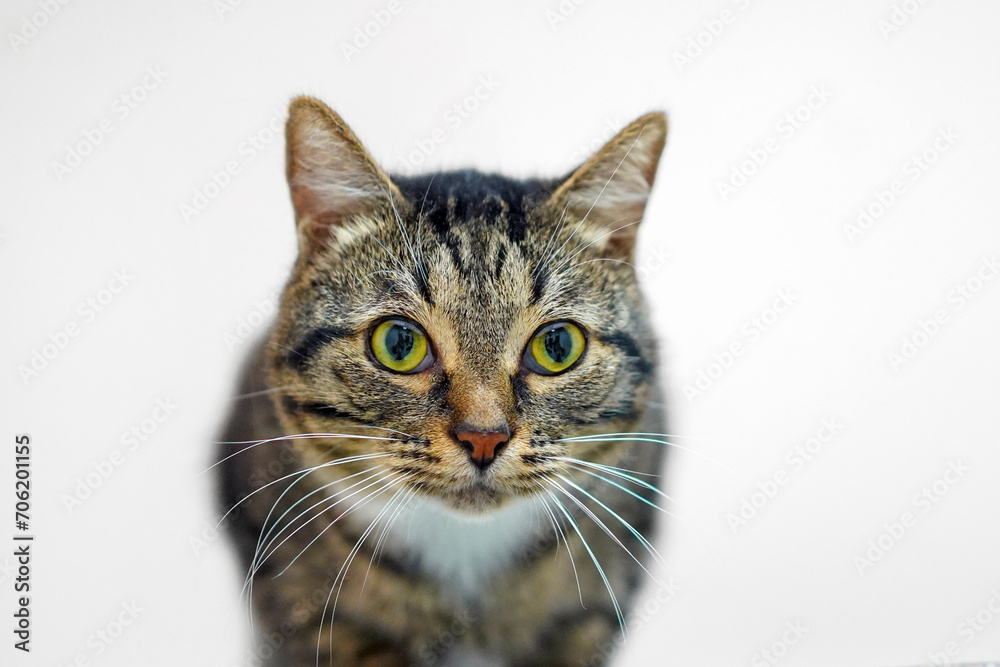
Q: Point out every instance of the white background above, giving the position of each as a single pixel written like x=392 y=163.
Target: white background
x=559 y=86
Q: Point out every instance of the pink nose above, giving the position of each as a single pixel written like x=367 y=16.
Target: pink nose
x=483 y=447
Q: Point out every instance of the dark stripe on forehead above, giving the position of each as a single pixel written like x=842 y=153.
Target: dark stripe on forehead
x=538 y=283
x=451 y=242
x=300 y=356
x=425 y=289
x=501 y=258
x=453 y=198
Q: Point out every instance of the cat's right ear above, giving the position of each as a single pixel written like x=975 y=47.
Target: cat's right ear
x=610 y=190
x=331 y=175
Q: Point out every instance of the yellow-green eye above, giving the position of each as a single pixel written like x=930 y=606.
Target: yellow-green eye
x=555 y=348
x=400 y=346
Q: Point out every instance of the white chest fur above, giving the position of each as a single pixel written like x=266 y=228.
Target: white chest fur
x=461 y=551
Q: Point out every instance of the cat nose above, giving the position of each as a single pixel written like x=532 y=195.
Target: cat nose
x=483 y=446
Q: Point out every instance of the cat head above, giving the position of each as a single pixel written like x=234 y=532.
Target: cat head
x=468 y=323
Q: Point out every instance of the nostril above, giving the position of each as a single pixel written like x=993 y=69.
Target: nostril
x=499 y=448
x=482 y=446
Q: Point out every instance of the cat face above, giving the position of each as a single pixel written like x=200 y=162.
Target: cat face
x=468 y=323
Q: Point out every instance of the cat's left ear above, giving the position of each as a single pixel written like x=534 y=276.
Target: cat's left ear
x=331 y=175
x=610 y=190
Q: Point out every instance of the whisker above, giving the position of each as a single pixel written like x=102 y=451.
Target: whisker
x=557 y=526
x=602 y=236
x=647 y=433
x=545 y=256
x=251 y=572
x=347 y=564
x=406 y=236
x=385 y=531
x=266 y=535
x=262 y=392
x=639 y=536
x=621 y=473
x=374 y=273
x=609 y=468
x=599 y=194
x=391 y=255
x=627 y=490
x=603 y=526
x=601 y=438
x=350 y=509
x=349 y=459
x=302 y=436
x=608 y=259
x=256 y=565
x=593 y=558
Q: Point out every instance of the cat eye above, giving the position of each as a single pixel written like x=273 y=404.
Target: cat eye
x=400 y=346
x=555 y=348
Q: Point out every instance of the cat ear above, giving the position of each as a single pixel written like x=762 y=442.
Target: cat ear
x=330 y=174
x=610 y=190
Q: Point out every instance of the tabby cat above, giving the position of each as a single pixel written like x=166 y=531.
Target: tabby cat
x=446 y=450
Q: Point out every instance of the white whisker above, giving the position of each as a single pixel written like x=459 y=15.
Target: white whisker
x=557 y=527
x=349 y=459
x=593 y=558
x=627 y=438
x=342 y=575
x=304 y=436
x=597 y=520
x=349 y=510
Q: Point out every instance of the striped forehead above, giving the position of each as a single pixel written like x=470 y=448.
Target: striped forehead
x=448 y=202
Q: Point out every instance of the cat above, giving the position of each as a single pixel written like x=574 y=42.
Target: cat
x=429 y=457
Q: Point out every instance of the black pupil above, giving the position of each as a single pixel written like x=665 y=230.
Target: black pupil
x=558 y=344
x=399 y=342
